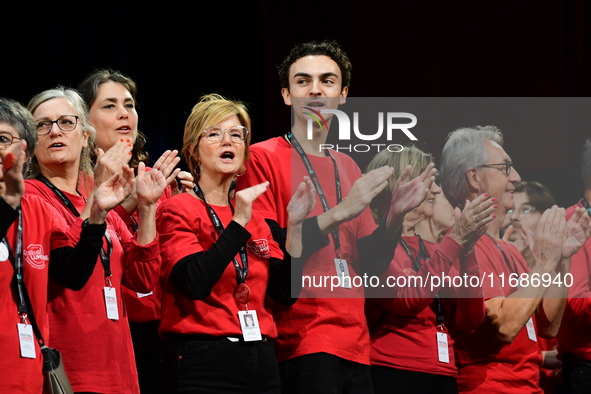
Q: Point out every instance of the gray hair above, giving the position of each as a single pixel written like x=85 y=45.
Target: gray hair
x=464 y=149
x=586 y=165
x=81 y=108
x=14 y=114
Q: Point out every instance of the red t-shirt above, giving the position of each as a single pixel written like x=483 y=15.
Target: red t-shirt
x=43 y=230
x=573 y=336
x=142 y=307
x=97 y=352
x=404 y=330
x=313 y=325
x=185 y=228
x=484 y=364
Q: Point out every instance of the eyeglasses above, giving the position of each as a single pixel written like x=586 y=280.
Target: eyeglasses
x=216 y=133
x=507 y=170
x=66 y=123
x=524 y=211
x=6 y=139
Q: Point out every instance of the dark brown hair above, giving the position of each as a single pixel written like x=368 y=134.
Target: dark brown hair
x=89 y=90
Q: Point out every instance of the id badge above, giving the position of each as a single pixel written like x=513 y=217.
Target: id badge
x=249 y=323
x=442 y=347
x=111 y=303
x=531 y=330
x=342 y=269
x=3 y=252
x=26 y=340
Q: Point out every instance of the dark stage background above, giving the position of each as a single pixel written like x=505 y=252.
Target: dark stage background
x=177 y=51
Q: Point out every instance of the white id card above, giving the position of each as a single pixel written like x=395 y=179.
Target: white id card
x=111 y=303
x=531 y=330
x=3 y=252
x=249 y=323
x=142 y=295
x=442 y=347
x=343 y=273
x=26 y=340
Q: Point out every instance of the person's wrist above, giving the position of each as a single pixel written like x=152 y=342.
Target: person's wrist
x=12 y=200
x=97 y=215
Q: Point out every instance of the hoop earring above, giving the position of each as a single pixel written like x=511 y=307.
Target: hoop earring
x=241 y=170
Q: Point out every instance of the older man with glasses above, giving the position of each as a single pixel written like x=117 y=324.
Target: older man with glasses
x=502 y=353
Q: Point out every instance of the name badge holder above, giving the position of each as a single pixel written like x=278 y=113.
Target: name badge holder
x=441 y=334
x=341 y=265
x=241 y=291
x=26 y=339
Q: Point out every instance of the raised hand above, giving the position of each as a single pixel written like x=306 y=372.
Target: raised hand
x=12 y=185
x=149 y=185
x=111 y=193
x=110 y=163
x=244 y=199
x=579 y=230
x=550 y=234
x=167 y=163
x=473 y=221
x=411 y=219
x=186 y=180
x=363 y=191
x=406 y=195
x=521 y=243
x=302 y=202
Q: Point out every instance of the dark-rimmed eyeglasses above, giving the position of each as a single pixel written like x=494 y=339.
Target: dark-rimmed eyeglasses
x=506 y=167
x=6 y=139
x=524 y=211
x=66 y=123
x=216 y=133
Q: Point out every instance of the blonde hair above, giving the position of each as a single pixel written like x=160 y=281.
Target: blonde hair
x=410 y=155
x=210 y=110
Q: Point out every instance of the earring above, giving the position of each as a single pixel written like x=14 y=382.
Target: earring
x=241 y=171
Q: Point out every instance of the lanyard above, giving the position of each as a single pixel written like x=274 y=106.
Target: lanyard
x=513 y=266
x=24 y=307
x=105 y=256
x=241 y=271
x=416 y=262
x=335 y=233
x=18 y=265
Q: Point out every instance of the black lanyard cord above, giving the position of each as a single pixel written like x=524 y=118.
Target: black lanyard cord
x=335 y=233
x=105 y=255
x=416 y=262
x=24 y=308
x=241 y=271
x=513 y=266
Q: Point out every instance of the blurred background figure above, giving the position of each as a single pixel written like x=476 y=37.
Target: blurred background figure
x=412 y=332
x=531 y=200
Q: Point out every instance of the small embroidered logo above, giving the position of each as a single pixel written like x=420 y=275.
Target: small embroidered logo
x=35 y=257
x=259 y=247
